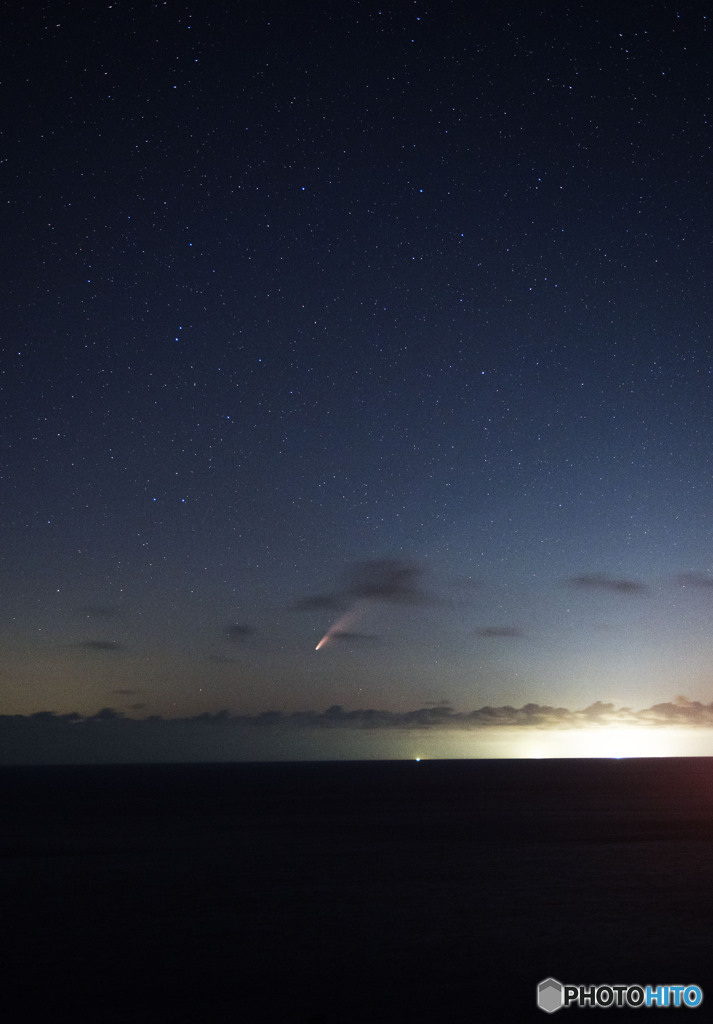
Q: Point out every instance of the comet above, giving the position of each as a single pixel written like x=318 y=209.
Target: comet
x=342 y=625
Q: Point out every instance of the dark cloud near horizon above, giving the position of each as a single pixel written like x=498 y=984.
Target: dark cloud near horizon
x=123 y=693
x=110 y=736
x=611 y=584
x=441 y=716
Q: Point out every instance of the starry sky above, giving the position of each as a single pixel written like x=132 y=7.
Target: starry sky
x=385 y=324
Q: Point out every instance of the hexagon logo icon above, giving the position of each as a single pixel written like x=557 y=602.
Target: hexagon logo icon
x=549 y=995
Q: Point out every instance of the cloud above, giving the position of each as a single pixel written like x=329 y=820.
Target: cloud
x=387 y=579
x=101 y=645
x=443 y=716
x=466 y=583
x=612 y=584
x=98 y=611
x=439 y=716
x=111 y=737
x=238 y=632
x=319 y=602
x=381 y=579
x=345 y=634
x=700 y=580
x=499 y=631
x=680 y=712
x=222 y=659
x=124 y=693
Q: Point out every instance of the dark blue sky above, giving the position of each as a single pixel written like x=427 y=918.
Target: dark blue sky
x=396 y=313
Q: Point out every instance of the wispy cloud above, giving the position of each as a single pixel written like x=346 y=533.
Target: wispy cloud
x=319 y=603
x=393 y=580
x=506 y=632
x=346 y=634
x=610 y=584
x=101 y=645
x=699 y=580
x=388 y=579
x=238 y=631
x=98 y=611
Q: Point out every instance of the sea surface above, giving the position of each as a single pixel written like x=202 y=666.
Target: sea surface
x=351 y=892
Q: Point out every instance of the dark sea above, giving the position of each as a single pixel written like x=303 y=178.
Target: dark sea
x=352 y=892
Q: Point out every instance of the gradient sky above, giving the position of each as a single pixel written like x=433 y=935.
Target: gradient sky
x=393 y=321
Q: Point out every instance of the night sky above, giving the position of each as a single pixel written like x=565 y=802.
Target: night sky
x=390 y=324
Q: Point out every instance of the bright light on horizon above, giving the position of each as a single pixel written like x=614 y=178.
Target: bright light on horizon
x=615 y=741
x=602 y=741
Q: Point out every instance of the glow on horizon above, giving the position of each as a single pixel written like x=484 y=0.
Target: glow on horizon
x=122 y=740
x=618 y=742
x=502 y=742
x=593 y=742
x=605 y=741
x=615 y=741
